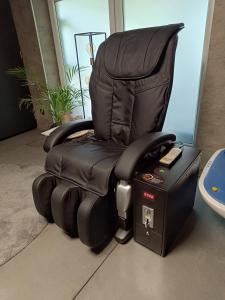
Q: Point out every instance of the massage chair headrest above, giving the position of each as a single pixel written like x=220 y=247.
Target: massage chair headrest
x=136 y=53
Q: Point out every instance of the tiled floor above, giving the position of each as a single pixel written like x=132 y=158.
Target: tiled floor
x=55 y=267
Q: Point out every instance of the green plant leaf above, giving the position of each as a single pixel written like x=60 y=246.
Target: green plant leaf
x=57 y=101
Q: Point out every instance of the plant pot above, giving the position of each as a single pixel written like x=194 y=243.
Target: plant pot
x=68 y=117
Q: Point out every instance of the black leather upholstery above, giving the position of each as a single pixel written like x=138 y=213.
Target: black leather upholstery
x=42 y=189
x=65 y=201
x=131 y=156
x=59 y=135
x=130 y=88
x=133 y=94
x=142 y=48
x=96 y=213
x=87 y=163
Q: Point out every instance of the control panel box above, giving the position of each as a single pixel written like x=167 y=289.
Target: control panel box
x=163 y=198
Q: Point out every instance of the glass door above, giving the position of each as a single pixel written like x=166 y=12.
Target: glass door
x=190 y=58
x=79 y=27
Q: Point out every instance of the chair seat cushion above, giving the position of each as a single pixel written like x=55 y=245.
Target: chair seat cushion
x=87 y=163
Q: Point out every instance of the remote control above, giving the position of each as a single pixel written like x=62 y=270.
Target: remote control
x=171 y=156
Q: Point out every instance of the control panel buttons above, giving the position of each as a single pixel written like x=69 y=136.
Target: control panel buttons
x=157 y=179
x=160 y=171
x=147 y=177
x=153 y=178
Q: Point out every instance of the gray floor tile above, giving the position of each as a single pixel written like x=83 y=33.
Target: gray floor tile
x=53 y=267
x=195 y=269
x=22 y=139
x=23 y=149
x=23 y=155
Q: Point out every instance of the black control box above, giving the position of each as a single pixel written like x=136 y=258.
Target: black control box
x=163 y=198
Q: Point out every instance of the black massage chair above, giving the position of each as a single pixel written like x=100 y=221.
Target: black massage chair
x=87 y=187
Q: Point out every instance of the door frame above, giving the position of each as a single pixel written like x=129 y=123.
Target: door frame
x=208 y=30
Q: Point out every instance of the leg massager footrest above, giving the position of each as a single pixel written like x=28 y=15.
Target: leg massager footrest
x=42 y=189
x=96 y=220
x=92 y=219
x=65 y=201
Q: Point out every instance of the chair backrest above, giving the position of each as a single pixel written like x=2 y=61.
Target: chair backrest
x=131 y=82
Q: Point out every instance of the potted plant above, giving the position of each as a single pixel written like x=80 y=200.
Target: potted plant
x=59 y=101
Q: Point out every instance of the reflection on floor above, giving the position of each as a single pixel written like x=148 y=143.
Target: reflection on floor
x=55 y=267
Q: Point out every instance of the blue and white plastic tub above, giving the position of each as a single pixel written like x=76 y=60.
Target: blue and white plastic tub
x=212 y=182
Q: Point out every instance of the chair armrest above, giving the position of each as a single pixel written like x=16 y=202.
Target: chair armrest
x=136 y=150
x=59 y=135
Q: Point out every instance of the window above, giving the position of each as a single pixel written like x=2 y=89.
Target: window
x=183 y=107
